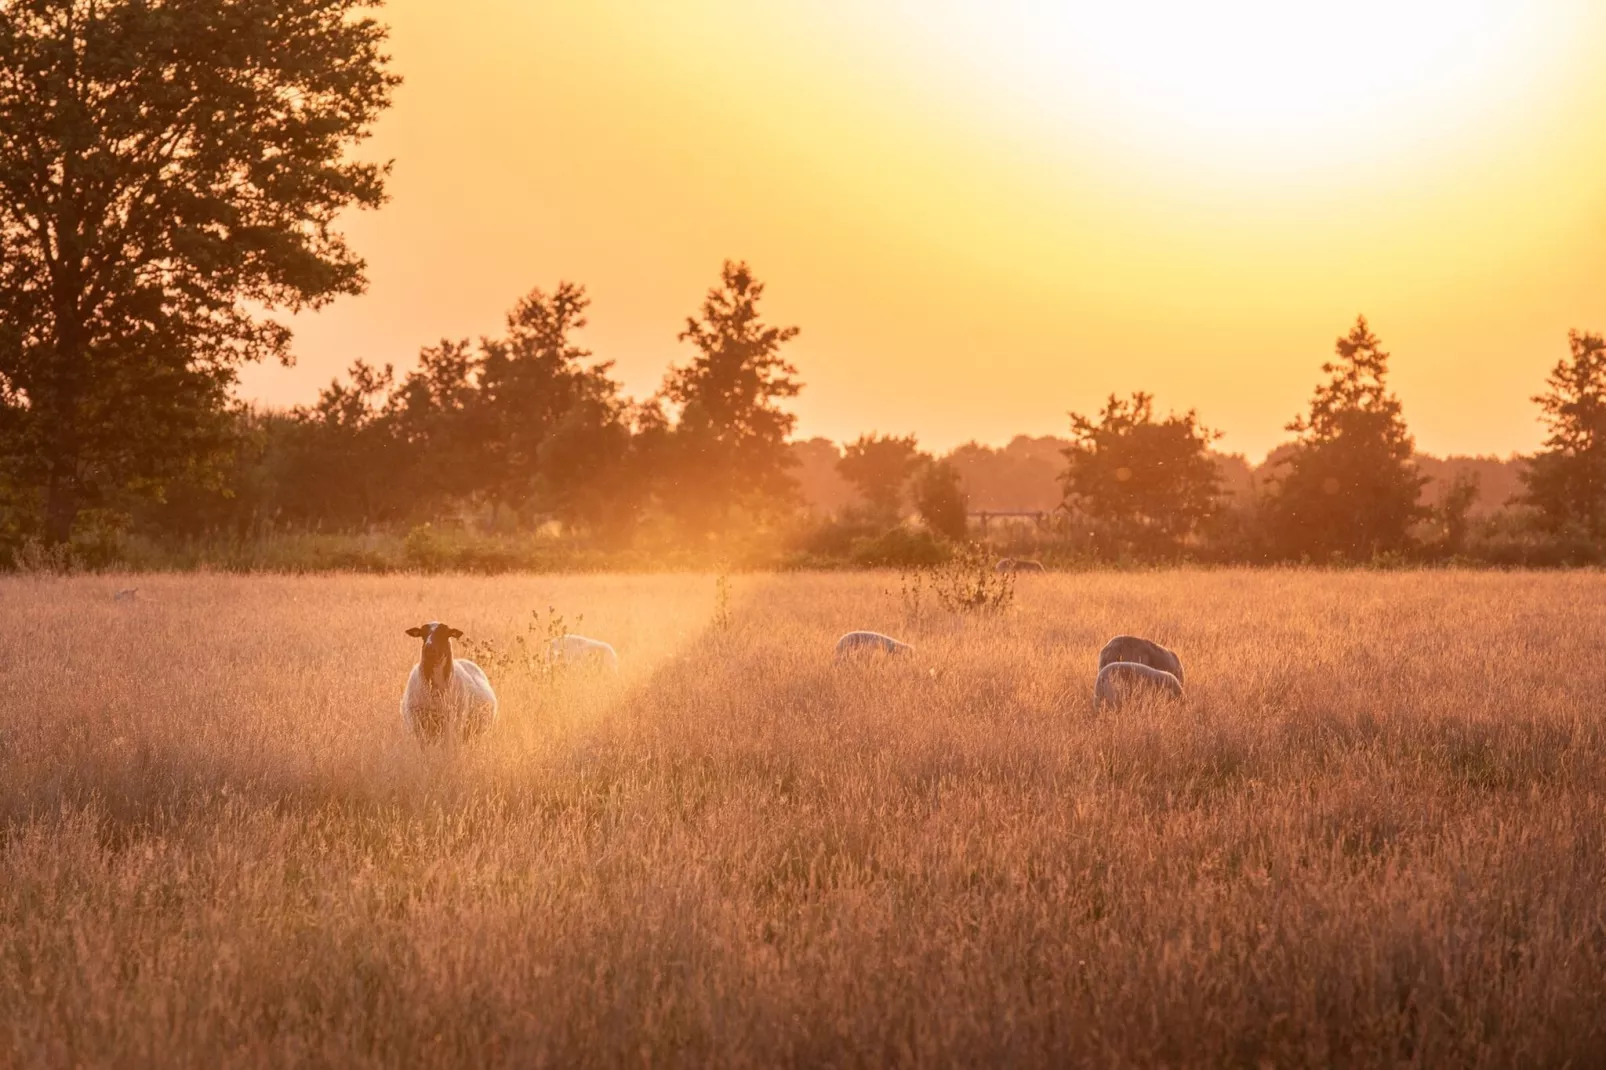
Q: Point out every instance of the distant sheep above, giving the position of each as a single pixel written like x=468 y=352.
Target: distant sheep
x=445 y=693
x=1142 y=652
x=1123 y=680
x=578 y=650
x=855 y=643
x=1019 y=564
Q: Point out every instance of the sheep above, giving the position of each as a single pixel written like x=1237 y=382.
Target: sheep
x=1019 y=564
x=1122 y=680
x=855 y=643
x=443 y=691
x=578 y=650
x=1142 y=652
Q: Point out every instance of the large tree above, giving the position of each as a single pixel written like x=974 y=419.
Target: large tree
x=1348 y=488
x=728 y=444
x=1566 y=481
x=171 y=171
x=1145 y=484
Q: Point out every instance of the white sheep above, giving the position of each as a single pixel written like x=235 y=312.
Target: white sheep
x=443 y=691
x=1019 y=564
x=1123 y=680
x=855 y=643
x=578 y=650
x=1142 y=652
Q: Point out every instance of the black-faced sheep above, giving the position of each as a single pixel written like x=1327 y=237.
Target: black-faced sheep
x=445 y=694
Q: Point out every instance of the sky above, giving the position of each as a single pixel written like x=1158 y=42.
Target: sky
x=984 y=214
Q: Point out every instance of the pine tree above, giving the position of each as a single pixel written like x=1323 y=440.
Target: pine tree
x=1566 y=481
x=1350 y=489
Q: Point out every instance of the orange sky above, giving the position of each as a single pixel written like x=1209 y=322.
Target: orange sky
x=984 y=214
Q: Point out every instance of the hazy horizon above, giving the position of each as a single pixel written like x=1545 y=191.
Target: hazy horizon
x=982 y=220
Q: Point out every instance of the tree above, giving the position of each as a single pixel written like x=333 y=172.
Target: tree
x=1566 y=481
x=878 y=466
x=533 y=386
x=1145 y=484
x=728 y=446
x=345 y=465
x=1350 y=488
x=167 y=170
x=1453 y=513
x=940 y=500
x=588 y=477
x=435 y=414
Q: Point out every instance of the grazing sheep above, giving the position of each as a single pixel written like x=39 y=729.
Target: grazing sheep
x=445 y=692
x=855 y=643
x=1019 y=564
x=1122 y=680
x=578 y=650
x=1142 y=652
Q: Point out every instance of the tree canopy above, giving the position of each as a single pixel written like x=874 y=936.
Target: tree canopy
x=878 y=467
x=1143 y=483
x=168 y=172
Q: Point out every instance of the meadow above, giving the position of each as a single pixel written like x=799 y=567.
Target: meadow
x=1374 y=832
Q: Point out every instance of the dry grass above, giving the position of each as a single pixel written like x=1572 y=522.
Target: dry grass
x=1373 y=834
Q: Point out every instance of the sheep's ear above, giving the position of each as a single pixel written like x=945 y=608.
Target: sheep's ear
x=416 y=633
x=453 y=633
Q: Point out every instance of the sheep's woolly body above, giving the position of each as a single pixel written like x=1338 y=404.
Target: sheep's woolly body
x=466 y=700
x=869 y=642
x=1123 y=680
x=578 y=650
x=1019 y=564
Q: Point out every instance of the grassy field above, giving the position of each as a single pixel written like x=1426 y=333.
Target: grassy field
x=1373 y=833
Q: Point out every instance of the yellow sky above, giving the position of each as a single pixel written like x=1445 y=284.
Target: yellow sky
x=984 y=214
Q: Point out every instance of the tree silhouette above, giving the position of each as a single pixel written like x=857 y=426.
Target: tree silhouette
x=728 y=445
x=167 y=170
x=1350 y=488
x=534 y=385
x=1144 y=484
x=878 y=466
x=1566 y=481
x=436 y=415
x=343 y=466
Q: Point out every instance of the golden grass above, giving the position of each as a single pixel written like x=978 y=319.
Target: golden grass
x=1373 y=833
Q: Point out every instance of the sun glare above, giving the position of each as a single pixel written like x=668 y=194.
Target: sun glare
x=1256 y=85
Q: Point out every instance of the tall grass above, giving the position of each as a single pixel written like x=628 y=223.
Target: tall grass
x=1374 y=833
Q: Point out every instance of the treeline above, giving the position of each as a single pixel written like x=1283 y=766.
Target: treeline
x=517 y=433
x=520 y=450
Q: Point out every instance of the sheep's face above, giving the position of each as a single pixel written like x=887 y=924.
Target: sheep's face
x=436 y=660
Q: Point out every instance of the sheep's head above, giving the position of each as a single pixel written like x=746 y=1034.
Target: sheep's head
x=436 y=660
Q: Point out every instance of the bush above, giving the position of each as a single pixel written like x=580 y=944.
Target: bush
x=900 y=548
